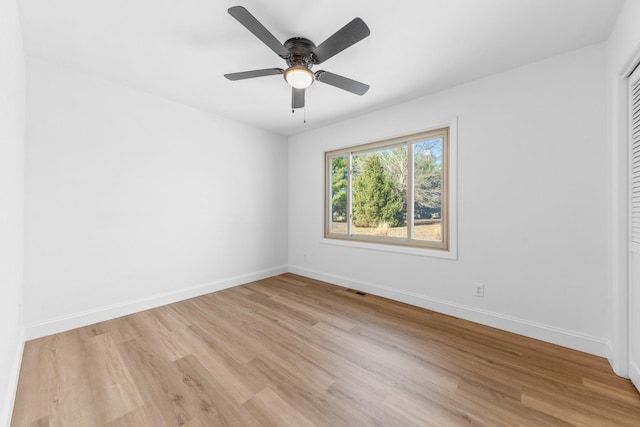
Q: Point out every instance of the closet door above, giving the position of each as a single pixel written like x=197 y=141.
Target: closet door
x=634 y=227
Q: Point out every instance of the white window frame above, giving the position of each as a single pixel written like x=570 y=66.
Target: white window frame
x=448 y=250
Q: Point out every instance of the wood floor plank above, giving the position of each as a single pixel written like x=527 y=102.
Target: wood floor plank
x=289 y=350
x=307 y=397
x=121 y=329
x=223 y=369
x=217 y=406
x=288 y=343
x=114 y=389
x=323 y=315
x=368 y=398
x=42 y=422
x=160 y=387
x=32 y=396
x=71 y=397
x=138 y=417
x=221 y=322
x=424 y=412
x=622 y=392
x=272 y=410
x=158 y=336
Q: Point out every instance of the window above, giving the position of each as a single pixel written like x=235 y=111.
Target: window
x=394 y=192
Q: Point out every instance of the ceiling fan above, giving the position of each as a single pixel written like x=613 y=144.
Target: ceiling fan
x=301 y=54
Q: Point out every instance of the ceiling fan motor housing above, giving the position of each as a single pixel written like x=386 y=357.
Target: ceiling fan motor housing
x=301 y=52
x=299 y=61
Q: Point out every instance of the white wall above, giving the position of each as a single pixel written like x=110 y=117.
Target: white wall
x=623 y=51
x=134 y=201
x=12 y=122
x=532 y=197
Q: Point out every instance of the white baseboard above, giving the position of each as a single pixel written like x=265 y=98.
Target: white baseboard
x=611 y=357
x=559 y=336
x=84 y=318
x=551 y=334
x=617 y=361
x=6 y=411
x=634 y=374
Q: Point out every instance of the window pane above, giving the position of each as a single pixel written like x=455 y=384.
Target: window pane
x=427 y=182
x=392 y=191
x=379 y=193
x=339 y=183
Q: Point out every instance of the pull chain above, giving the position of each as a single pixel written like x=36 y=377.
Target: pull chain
x=304 y=114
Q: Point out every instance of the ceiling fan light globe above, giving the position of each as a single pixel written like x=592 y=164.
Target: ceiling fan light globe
x=299 y=77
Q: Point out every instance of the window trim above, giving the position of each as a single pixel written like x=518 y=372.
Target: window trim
x=445 y=249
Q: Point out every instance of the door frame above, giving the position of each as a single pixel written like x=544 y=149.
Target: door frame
x=618 y=352
x=634 y=284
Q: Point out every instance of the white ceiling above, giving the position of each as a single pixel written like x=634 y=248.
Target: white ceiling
x=180 y=49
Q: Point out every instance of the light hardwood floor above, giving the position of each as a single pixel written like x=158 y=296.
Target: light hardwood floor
x=291 y=351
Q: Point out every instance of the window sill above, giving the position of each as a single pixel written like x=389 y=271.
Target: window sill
x=426 y=252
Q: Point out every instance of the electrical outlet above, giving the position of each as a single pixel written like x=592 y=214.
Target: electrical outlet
x=478 y=289
x=304 y=257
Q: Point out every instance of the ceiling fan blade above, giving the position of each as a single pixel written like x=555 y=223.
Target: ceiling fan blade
x=343 y=83
x=252 y=24
x=348 y=35
x=297 y=98
x=254 y=73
